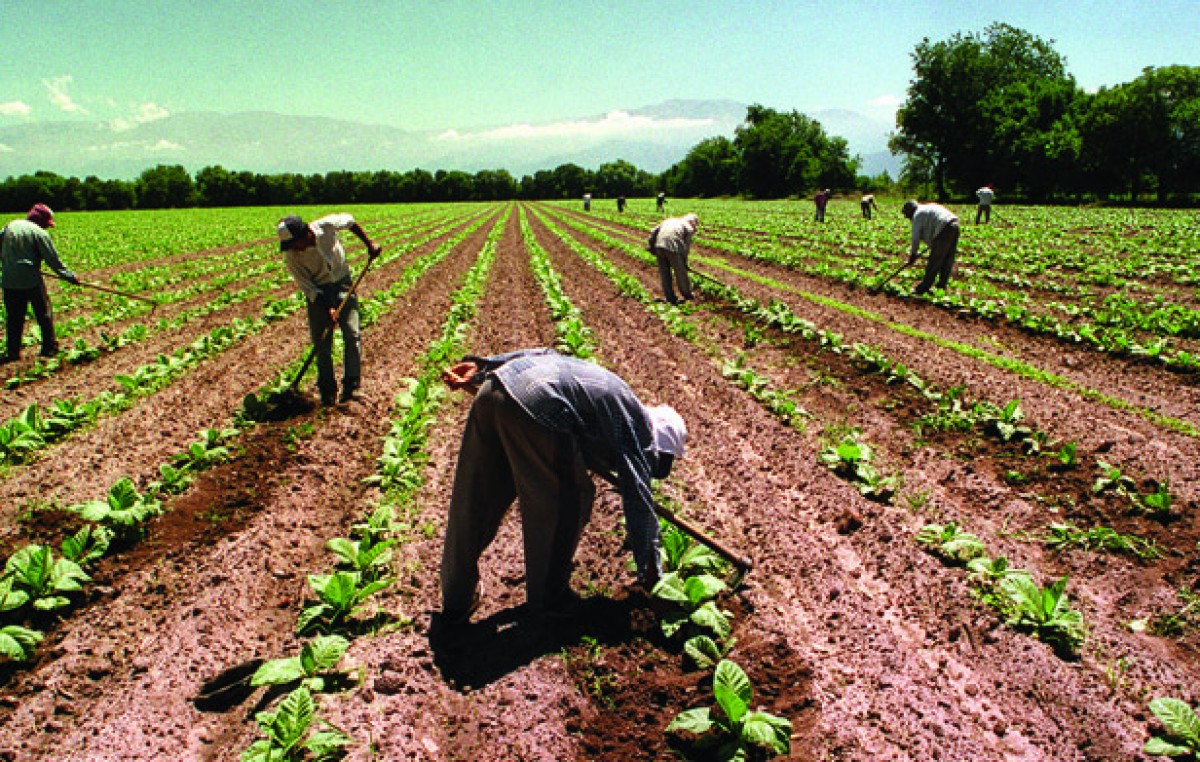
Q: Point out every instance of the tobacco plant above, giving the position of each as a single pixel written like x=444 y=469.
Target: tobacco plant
x=732 y=731
x=18 y=643
x=950 y=542
x=1182 y=738
x=1045 y=612
x=88 y=544
x=695 y=610
x=290 y=736
x=340 y=596
x=315 y=667
x=371 y=559
x=123 y=509
x=40 y=579
x=852 y=459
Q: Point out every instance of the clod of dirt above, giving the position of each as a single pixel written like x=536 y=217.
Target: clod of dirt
x=851 y=520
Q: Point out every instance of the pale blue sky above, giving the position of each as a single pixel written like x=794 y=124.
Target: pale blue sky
x=459 y=64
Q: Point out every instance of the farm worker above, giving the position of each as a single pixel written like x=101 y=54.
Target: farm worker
x=539 y=422
x=867 y=202
x=587 y=202
x=986 y=195
x=315 y=258
x=937 y=226
x=24 y=245
x=620 y=203
x=670 y=242
x=661 y=201
x=821 y=199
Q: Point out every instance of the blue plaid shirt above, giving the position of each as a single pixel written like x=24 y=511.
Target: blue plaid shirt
x=608 y=422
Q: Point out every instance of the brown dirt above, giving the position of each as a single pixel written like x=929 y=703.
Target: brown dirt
x=872 y=647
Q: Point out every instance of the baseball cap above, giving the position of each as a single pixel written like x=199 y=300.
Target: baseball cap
x=41 y=215
x=668 y=428
x=289 y=229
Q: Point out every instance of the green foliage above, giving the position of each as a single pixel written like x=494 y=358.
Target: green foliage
x=694 y=609
x=951 y=542
x=371 y=559
x=1183 y=729
x=42 y=580
x=340 y=596
x=1045 y=612
x=851 y=459
x=88 y=544
x=1102 y=538
x=733 y=730
x=684 y=556
x=290 y=736
x=316 y=666
x=123 y=510
x=18 y=643
x=208 y=451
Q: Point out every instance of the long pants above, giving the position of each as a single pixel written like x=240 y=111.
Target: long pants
x=17 y=302
x=984 y=211
x=348 y=321
x=866 y=211
x=941 y=259
x=668 y=261
x=507 y=455
x=820 y=215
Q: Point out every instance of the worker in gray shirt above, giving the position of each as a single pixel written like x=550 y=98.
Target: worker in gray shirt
x=938 y=228
x=539 y=422
x=670 y=243
x=24 y=246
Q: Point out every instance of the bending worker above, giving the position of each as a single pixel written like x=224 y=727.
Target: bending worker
x=937 y=226
x=539 y=422
x=317 y=261
x=24 y=245
x=670 y=243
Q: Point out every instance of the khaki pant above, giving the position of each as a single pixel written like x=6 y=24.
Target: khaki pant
x=668 y=261
x=506 y=454
x=942 y=250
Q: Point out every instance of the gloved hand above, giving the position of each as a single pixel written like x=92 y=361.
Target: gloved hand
x=373 y=252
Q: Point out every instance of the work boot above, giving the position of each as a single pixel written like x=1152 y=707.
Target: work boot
x=328 y=397
x=51 y=351
x=348 y=390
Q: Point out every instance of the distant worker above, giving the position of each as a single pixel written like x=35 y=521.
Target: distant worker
x=317 y=261
x=986 y=195
x=24 y=245
x=587 y=202
x=670 y=243
x=867 y=202
x=821 y=199
x=662 y=202
x=620 y=203
x=539 y=423
x=937 y=227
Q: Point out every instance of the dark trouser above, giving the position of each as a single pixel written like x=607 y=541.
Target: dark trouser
x=506 y=454
x=941 y=259
x=985 y=211
x=866 y=210
x=668 y=261
x=820 y=215
x=17 y=302
x=318 y=325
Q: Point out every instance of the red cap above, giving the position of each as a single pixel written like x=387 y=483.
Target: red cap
x=41 y=215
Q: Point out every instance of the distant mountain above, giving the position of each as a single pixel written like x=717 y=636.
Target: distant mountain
x=653 y=138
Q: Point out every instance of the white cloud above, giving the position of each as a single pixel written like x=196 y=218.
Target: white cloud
x=139 y=146
x=5 y=149
x=59 y=96
x=164 y=145
x=14 y=108
x=886 y=101
x=147 y=112
x=613 y=123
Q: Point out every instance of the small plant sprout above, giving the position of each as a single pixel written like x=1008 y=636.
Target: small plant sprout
x=1182 y=738
x=1112 y=480
x=950 y=542
x=316 y=665
x=694 y=608
x=290 y=737
x=1045 y=612
x=706 y=653
x=123 y=510
x=1101 y=538
x=733 y=730
x=680 y=553
x=88 y=544
x=340 y=596
x=1156 y=503
x=42 y=579
x=851 y=459
x=1067 y=456
x=18 y=643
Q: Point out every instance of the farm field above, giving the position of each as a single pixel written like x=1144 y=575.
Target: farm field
x=972 y=516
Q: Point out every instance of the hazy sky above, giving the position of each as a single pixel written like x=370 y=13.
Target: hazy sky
x=457 y=64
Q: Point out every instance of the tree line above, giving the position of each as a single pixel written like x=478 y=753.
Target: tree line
x=1000 y=107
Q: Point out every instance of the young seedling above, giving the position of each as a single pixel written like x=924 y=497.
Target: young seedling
x=950 y=542
x=290 y=737
x=1102 y=538
x=694 y=607
x=1112 y=480
x=1045 y=612
x=88 y=544
x=1182 y=738
x=18 y=643
x=851 y=459
x=733 y=730
x=123 y=510
x=340 y=596
x=1156 y=503
x=315 y=667
x=371 y=560
x=706 y=653
x=42 y=579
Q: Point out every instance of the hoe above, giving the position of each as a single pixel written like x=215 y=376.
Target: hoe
x=153 y=304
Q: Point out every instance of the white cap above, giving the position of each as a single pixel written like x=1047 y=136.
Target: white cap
x=668 y=428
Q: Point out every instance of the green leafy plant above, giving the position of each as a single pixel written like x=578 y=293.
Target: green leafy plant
x=694 y=606
x=951 y=542
x=89 y=544
x=171 y=481
x=315 y=667
x=1182 y=738
x=1101 y=538
x=733 y=732
x=1112 y=480
x=1066 y=457
x=681 y=554
x=1157 y=503
x=18 y=643
x=704 y=652
x=42 y=579
x=340 y=596
x=370 y=559
x=1174 y=623
x=1005 y=422
x=208 y=451
x=378 y=525
x=290 y=736
x=852 y=459
x=1045 y=612
x=123 y=510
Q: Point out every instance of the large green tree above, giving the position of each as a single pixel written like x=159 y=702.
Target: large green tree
x=781 y=154
x=991 y=107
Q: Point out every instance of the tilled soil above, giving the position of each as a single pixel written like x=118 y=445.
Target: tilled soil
x=872 y=647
